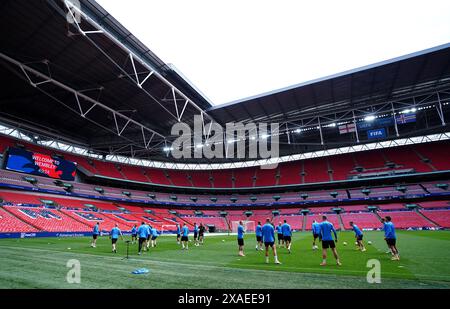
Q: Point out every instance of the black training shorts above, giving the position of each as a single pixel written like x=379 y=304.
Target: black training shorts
x=391 y=241
x=328 y=244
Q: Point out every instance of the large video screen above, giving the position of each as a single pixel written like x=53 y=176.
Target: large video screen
x=39 y=164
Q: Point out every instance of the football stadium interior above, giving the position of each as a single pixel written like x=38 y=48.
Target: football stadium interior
x=86 y=117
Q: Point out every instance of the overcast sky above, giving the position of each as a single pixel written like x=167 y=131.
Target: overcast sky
x=232 y=49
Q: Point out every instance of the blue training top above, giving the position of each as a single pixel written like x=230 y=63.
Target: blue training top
x=268 y=233
x=258 y=230
x=357 y=230
x=279 y=230
x=240 y=232
x=185 y=231
x=143 y=231
x=115 y=232
x=154 y=232
x=316 y=228
x=286 y=229
x=325 y=229
x=389 y=230
x=95 y=232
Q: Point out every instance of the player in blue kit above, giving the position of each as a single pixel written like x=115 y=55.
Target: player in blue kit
x=134 y=234
x=240 y=238
x=178 y=233
x=268 y=235
x=196 y=235
x=142 y=232
x=154 y=232
x=149 y=235
x=114 y=235
x=359 y=236
x=287 y=233
x=390 y=237
x=184 y=237
x=201 y=233
x=280 y=234
x=258 y=233
x=316 y=233
x=326 y=228
x=95 y=233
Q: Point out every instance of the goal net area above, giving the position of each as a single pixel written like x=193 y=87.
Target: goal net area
x=168 y=229
x=249 y=226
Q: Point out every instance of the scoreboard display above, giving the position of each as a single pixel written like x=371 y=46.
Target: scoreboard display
x=33 y=163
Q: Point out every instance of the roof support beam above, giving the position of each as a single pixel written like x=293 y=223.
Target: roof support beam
x=75 y=11
x=78 y=94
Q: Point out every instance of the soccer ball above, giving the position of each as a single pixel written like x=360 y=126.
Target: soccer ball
x=356 y=242
x=369 y=242
x=344 y=243
x=223 y=240
x=69 y=248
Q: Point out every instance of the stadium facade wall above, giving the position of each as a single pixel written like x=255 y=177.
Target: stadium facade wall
x=256 y=204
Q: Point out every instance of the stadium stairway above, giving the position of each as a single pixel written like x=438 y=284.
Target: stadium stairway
x=227 y=222
x=20 y=219
x=424 y=188
x=341 y=223
x=304 y=224
x=422 y=158
x=189 y=224
x=377 y=214
x=121 y=173
x=148 y=178
x=426 y=218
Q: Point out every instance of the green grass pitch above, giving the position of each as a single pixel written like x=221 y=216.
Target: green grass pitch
x=41 y=263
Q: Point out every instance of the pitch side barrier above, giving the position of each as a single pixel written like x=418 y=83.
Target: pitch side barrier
x=44 y=234
x=61 y=234
x=255 y=204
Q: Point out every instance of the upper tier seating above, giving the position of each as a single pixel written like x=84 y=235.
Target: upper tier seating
x=316 y=170
x=201 y=179
x=14 y=178
x=434 y=204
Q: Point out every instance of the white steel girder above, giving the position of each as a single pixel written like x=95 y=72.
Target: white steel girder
x=75 y=10
x=79 y=94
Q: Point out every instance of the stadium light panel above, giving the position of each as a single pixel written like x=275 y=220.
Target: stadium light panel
x=369 y=118
x=407 y=111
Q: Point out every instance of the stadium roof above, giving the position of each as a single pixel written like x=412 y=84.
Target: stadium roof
x=95 y=85
x=108 y=68
x=411 y=74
